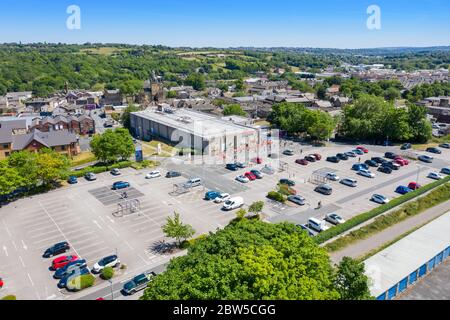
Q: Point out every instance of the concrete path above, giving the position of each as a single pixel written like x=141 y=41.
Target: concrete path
x=362 y=247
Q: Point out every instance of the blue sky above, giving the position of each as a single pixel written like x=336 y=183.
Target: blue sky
x=199 y=23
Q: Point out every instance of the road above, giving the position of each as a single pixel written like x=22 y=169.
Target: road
x=360 y=248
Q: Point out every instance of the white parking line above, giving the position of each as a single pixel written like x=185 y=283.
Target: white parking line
x=6 y=228
x=128 y=245
x=29 y=277
x=21 y=261
x=115 y=232
x=5 y=249
x=97 y=224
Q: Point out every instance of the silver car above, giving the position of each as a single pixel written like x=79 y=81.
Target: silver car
x=297 y=200
x=349 y=182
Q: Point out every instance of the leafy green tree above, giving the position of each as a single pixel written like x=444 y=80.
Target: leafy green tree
x=322 y=125
x=241 y=213
x=391 y=94
x=420 y=126
x=125 y=119
x=351 y=281
x=197 y=81
x=171 y=94
x=233 y=109
x=239 y=85
x=25 y=163
x=256 y=207
x=10 y=178
x=51 y=166
x=112 y=145
x=175 y=228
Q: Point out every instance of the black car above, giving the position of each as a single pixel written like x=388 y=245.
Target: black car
x=310 y=158
x=385 y=169
x=406 y=146
x=390 y=155
x=58 y=248
x=288 y=152
x=445 y=145
x=288 y=182
x=333 y=159
x=434 y=150
x=232 y=167
x=173 y=174
x=391 y=165
x=372 y=163
x=378 y=159
x=342 y=156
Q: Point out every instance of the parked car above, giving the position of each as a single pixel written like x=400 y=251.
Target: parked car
x=385 y=169
x=350 y=154
x=72 y=180
x=391 y=165
x=290 y=183
x=334 y=218
x=332 y=176
x=363 y=149
x=90 y=176
x=173 y=174
x=242 y=179
x=303 y=162
x=257 y=160
x=241 y=165
x=317 y=225
x=342 y=156
x=297 y=199
x=272 y=155
x=138 y=283
x=358 y=152
x=349 y=182
x=406 y=146
x=268 y=170
x=445 y=145
x=115 y=172
x=378 y=198
x=414 y=185
x=425 y=158
x=62 y=261
x=401 y=161
x=68 y=268
x=366 y=173
x=378 y=160
x=250 y=176
x=211 y=195
x=333 y=159
x=310 y=158
x=222 y=198
x=435 y=176
x=288 y=152
x=120 y=185
x=372 y=163
x=360 y=166
x=233 y=203
x=317 y=156
x=403 y=190
x=56 y=249
x=445 y=170
x=109 y=261
x=324 y=189
x=304 y=227
x=232 y=167
x=73 y=274
x=390 y=155
x=257 y=174
x=434 y=150
x=192 y=183
x=153 y=174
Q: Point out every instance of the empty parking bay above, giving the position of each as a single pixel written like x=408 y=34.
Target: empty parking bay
x=109 y=197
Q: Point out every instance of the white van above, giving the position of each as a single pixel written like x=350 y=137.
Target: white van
x=233 y=203
x=318 y=225
x=193 y=182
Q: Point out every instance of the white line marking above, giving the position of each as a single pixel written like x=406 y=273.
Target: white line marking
x=21 y=261
x=97 y=224
x=29 y=277
x=6 y=250
x=128 y=245
x=6 y=228
x=110 y=219
x=145 y=261
x=14 y=244
x=24 y=245
x=115 y=232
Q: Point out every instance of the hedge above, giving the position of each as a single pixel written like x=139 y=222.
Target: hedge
x=276 y=196
x=10 y=297
x=81 y=282
x=107 y=273
x=359 y=219
x=100 y=168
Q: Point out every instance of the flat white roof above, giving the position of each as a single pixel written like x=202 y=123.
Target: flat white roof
x=199 y=124
x=393 y=264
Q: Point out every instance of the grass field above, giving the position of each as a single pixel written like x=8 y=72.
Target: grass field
x=82 y=158
x=151 y=149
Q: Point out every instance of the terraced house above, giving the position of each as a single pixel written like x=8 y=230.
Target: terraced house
x=79 y=125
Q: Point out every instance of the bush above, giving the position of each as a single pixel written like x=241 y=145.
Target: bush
x=107 y=273
x=81 y=282
x=9 y=297
x=188 y=243
x=276 y=196
x=359 y=219
x=286 y=190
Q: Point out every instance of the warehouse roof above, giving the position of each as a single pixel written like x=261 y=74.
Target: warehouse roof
x=197 y=123
x=393 y=264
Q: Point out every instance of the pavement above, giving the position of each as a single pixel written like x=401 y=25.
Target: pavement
x=362 y=247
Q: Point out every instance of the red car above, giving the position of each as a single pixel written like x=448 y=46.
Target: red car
x=404 y=161
x=365 y=150
x=250 y=176
x=317 y=156
x=400 y=162
x=414 y=185
x=302 y=162
x=1 y=283
x=62 y=261
x=257 y=160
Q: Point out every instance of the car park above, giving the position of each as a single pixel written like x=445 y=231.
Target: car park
x=222 y=198
x=366 y=173
x=332 y=176
x=250 y=176
x=257 y=174
x=115 y=172
x=72 y=180
x=109 y=261
x=138 y=283
x=445 y=170
x=289 y=182
x=192 y=183
x=349 y=182
x=414 y=185
x=297 y=199
x=90 y=176
x=173 y=174
x=378 y=160
x=232 y=167
x=435 y=176
x=434 y=150
x=56 y=249
x=153 y=175
x=242 y=179
x=445 y=145
x=303 y=162
x=378 y=198
x=333 y=159
x=391 y=165
x=342 y=156
x=334 y=218
x=233 y=203
x=68 y=268
x=425 y=158
x=350 y=154
x=73 y=274
x=385 y=169
x=211 y=195
x=324 y=189
x=358 y=152
x=120 y=185
x=288 y=152
x=372 y=163
x=60 y=262
x=406 y=146
x=390 y=155
x=310 y=158
x=317 y=225
x=403 y=190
